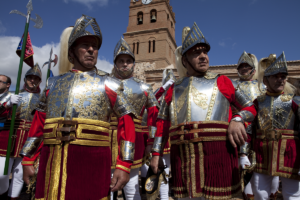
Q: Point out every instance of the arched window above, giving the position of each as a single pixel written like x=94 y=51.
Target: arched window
x=133 y=48
x=168 y=16
x=140 y=18
x=149 y=46
x=153 y=15
x=171 y=24
x=153 y=45
x=137 y=47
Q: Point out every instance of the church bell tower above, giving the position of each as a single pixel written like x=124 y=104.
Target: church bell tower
x=151 y=35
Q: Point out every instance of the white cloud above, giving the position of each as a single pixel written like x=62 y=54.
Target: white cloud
x=234 y=44
x=89 y=3
x=2 y=28
x=222 y=44
x=10 y=60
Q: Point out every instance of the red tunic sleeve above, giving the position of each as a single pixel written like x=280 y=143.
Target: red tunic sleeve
x=159 y=93
x=36 y=130
x=163 y=126
x=6 y=111
x=227 y=89
x=126 y=131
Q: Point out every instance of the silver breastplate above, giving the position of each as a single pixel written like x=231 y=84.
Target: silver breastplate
x=135 y=93
x=251 y=89
x=198 y=99
x=80 y=95
x=275 y=112
x=27 y=104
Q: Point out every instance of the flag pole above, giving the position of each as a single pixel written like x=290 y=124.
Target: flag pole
x=12 y=124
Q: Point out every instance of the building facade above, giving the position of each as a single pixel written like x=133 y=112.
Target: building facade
x=151 y=34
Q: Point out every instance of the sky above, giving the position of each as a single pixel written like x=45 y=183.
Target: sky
x=260 y=27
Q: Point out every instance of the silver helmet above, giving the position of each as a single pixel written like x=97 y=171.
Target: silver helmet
x=278 y=66
x=123 y=47
x=245 y=58
x=35 y=71
x=193 y=38
x=79 y=30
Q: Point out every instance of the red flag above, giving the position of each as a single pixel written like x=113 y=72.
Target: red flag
x=28 y=57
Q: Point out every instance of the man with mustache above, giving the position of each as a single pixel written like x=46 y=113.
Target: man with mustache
x=141 y=96
x=195 y=114
x=247 y=68
x=73 y=120
x=276 y=141
x=26 y=101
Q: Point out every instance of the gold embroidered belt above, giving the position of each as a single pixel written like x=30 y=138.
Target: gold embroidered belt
x=276 y=134
x=205 y=131
x=86 y=132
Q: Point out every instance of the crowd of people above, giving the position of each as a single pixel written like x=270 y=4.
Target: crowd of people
x=89 y=133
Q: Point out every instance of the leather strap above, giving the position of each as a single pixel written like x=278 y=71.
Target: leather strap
x=68 y=122
x=66 y=129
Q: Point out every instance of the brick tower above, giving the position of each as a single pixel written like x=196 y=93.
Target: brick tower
x=151 y=34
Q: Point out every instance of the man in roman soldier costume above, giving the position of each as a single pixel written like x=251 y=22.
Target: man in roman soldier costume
x=73 y=120
x=141 y=96
x=247 y=68
x=27 y=100
x=5 y=83
x=276 y=141
x=167 y=80
x=195 y=115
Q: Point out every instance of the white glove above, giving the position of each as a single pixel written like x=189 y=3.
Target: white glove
x=244 y=161
x=299 y=172
x=168 y=84
x=14 y=99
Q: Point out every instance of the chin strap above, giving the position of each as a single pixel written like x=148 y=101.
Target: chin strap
x=203 y=73
x=120 y=75
x=247 y=75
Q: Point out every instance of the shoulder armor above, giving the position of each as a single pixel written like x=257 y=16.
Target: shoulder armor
x=297 y=100
x=146 y=87
x=137 y=80
x=210 y=75
x=179 y=81
x=235 y=83
x=113 y=83
x=101 y=73
x=261 y=98
x=51 y=80
x=286 y=97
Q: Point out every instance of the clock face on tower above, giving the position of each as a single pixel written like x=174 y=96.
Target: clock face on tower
x=146 y=1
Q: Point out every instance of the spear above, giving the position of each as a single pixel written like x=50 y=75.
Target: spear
x=38 y=24
x=51 y=61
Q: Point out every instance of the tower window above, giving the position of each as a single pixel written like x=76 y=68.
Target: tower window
x=153 y=45
x=153 y=14
x=140 y=18
x=137 y=47
x=149 y=46
x=133 y=47
x=171 y=24
x=168 y=16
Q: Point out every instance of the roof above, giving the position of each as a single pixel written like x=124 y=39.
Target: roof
x=216 y=66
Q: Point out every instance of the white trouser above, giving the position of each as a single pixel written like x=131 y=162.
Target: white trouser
x=264 y=185
x=16 y=169
x=273 y=190
x=131 y=189
x=164 y=188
